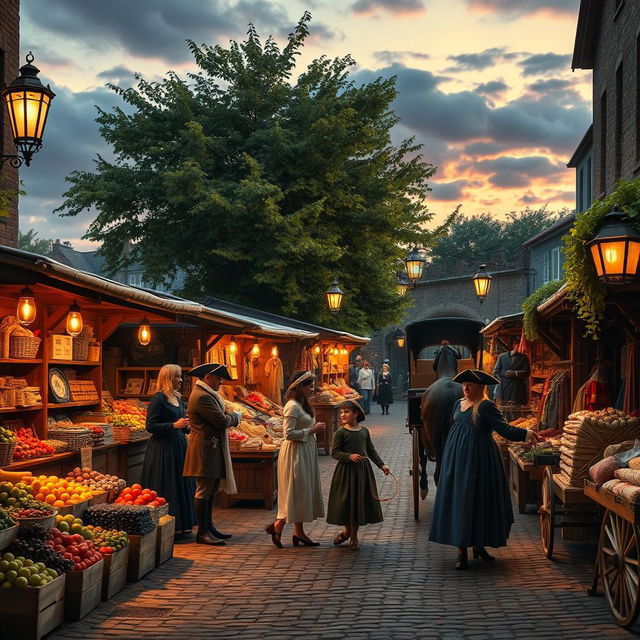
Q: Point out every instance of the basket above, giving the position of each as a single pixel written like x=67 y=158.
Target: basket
x=25 y=347
x=94 y=352
x=80 y=348
x=44 y=521
x=6 y=453
x=75 y=438
x=7 y=536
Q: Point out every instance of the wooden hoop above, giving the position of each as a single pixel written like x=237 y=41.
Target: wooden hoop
x=395 y=491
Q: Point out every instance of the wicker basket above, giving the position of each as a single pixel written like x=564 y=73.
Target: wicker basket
x=75 y=438
x=24 y=347
x=6 y=453
x=80 y=348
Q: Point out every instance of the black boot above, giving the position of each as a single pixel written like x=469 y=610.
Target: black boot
x=202 y=535
x=210 y=527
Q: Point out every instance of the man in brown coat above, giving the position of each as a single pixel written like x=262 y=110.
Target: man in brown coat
x=205 y=459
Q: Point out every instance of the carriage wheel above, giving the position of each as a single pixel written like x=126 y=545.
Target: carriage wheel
x=619 y=565
x=547 y=514
x=415 y=471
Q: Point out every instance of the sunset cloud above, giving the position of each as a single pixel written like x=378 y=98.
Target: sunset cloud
x=394 y=7
x=517 y=8
x=544 y=63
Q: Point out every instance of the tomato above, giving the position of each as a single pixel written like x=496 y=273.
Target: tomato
x=68 y=556
x=154 y=503
x=136 y=486
x=162 y=501
x=77 y=559
x=77 y=538
x=154 y=494
x=83 y=549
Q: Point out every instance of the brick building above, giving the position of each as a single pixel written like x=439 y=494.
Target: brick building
x=9 y=63
x=608 y=42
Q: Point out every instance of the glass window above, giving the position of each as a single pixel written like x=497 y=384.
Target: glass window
x=134 y=278
x=555 y=264
x=545 y=268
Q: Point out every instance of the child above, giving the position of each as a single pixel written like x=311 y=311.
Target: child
x=353 y=494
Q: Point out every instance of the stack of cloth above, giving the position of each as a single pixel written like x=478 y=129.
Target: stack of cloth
x=556 y=400
x=585 y=436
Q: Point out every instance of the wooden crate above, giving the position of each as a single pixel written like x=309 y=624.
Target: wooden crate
x=142 y=555
x=29 y=614
x=83 y=591
x=114 y=574
x=524 y=482
x=77 y=509
x=256 y=477
x=166 y=538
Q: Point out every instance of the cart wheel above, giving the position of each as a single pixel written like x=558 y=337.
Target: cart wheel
x=547 y=514
x=415 y=471
x=619 y=564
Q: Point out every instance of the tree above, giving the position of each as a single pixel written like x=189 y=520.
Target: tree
x=263 y=189
x=478 y=238
x=29 y=241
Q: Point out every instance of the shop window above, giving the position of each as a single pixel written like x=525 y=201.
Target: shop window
x=555 y=263
x=603 y=143
x=545 y=267
x=580 y=202
x=618 y=122
x=587 y=201
x=134 y=279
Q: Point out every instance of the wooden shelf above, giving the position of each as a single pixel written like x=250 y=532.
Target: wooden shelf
x=82 y=403
x=18 y=465
x=75 y=363
x=35 y=407
x=21 y=360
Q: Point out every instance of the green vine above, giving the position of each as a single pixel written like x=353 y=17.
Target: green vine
x=583 y=286
x=530 y=305
x=7 y=197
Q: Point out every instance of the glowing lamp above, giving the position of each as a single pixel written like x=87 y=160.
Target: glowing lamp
x=482 y=283
x=274 y=352
x=615 y=250
x=400 y=341
x=255 y=350
x=26 y=310
x=233 y=347
x=316 y=349
x=334 y=297
x=144 y=332
x=414 y=265
x=74 y=320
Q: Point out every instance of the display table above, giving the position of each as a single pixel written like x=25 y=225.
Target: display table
x=256 y=477
x=326 y=412
x=524 y=482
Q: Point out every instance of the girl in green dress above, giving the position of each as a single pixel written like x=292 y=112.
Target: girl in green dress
x=353 y=495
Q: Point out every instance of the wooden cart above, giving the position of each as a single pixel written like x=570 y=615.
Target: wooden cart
x=618 y=559
x=562 y=506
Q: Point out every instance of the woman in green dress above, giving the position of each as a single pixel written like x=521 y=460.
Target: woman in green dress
x=353 y=497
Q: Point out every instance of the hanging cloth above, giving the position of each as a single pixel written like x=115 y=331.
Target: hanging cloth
x=275 y=379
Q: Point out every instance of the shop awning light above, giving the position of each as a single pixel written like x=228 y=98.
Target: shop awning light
x=144 y=332
x=26 y=309
x=274 y=352
x=482 y=283
x=74 y=320
x=233 y=347
x=255 y=350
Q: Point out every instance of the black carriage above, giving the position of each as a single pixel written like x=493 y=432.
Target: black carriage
x=419 y=337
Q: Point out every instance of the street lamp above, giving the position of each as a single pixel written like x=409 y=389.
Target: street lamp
x=615 y=250
x=28 y=103
x=482 y=283
x=400 y=340
x=334 y=297
x=414 y=264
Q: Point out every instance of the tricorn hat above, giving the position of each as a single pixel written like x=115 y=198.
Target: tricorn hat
x=476 y=376
x=359 y=410
x=213 y=368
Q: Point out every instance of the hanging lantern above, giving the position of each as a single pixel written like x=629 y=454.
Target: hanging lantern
x=316 y=349
x=144 y=332
x=26 y=310
x=615 y=250
x=344 y=352
x=74 y=320
x=255 y=350
x=334 y=297
x=400 y=340
x=482 y=283
x=28 y=104
x=414 y=265
x=233 y=347
x=274 y=352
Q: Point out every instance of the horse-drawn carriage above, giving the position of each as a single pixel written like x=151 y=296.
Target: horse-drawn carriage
x=421 y=338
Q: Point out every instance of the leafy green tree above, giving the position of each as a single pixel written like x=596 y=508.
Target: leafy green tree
x=262 y=188
x=29 y=241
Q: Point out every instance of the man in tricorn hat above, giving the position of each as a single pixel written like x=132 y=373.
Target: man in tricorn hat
x=208 y=459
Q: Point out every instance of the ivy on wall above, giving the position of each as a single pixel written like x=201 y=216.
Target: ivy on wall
x=583 y=286
x=530 y=305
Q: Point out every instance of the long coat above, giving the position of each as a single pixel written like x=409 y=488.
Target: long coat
x=516 y=389
x=209 y=423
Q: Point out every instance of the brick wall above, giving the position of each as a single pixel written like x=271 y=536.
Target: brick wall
x=616 y=44
x=10 y=46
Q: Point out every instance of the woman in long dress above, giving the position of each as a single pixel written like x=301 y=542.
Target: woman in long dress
x=473 y=506
x=299 y=489
x=385 y=390
x=164 y=458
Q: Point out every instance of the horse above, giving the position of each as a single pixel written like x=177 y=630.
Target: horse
x=436 y=410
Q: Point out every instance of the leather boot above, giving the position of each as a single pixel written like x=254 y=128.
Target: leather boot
x=202 y=535
x=210 y=526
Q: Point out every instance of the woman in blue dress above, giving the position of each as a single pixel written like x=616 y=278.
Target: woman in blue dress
x=473 y=506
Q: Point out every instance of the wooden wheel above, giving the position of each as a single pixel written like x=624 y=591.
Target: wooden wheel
x=547 y=514
x=619 y=567
x=415 y=471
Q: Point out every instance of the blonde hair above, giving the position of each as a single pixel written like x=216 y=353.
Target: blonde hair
x=165 y=381
x=476 y=405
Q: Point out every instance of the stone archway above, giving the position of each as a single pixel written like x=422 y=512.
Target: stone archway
x=452 y=310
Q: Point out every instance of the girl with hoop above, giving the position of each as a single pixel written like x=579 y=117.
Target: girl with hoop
x=353 y=497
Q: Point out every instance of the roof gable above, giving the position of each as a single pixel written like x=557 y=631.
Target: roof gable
x=586 y=42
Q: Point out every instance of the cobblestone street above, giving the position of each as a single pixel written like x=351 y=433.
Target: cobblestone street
x=397 y=586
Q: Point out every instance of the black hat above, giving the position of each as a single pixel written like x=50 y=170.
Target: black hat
x=476 y=376
x=359 y=410
x=202 y=370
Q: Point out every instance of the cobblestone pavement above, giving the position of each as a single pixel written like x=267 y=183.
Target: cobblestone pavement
x=397 y=586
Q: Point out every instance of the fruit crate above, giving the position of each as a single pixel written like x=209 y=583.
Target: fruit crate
x=7 y=536
x=159 y=512
x=166 y=539
x=83 y=591
x=114 y=574
x=29 y=614
x=77 y=509
x=142 y=555
x=100 y=497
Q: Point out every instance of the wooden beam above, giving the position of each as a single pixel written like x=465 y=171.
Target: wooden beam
x=625 y=312
x=110 y=324
x=55 y=317
x=213 y=340
x=551 y=341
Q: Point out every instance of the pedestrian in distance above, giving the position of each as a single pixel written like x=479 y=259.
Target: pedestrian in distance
x=367 y=383
x=384 y=389
x=354 y=370
x=446 y=357
x=208 y=459
x=353 y=497
x=165 y=454
x=299 y=489
x=473 y=506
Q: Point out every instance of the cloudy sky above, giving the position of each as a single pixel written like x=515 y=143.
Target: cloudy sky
x=485 y=85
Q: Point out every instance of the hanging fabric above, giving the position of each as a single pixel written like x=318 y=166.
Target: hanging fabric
x=274 y=372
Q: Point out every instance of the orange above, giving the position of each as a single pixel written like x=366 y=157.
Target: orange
x=58 y=503
x=50 y=499
x=64 y=496
x=40 y=496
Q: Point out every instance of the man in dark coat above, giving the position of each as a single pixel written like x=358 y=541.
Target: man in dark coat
x=446 y=358
x=354 y=370
x=207 y=451
x=512 y=369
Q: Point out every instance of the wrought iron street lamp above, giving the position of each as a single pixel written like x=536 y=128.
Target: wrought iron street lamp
x=482 y=283
x=615 y=250
x=400 y=340
x=414 y=265
x=334 y=297
x=28 y=102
